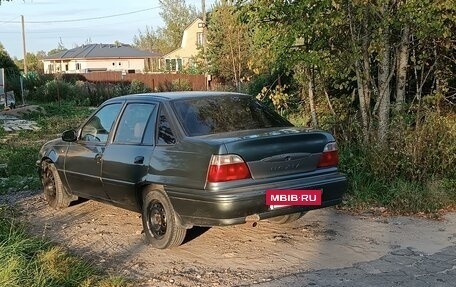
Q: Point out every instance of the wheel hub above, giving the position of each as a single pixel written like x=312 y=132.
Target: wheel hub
x=49 y=184
x=157 y=219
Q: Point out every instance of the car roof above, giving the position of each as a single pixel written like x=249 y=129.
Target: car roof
x=167 y=96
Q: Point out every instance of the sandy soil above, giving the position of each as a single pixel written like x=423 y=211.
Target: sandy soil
x=228 y=256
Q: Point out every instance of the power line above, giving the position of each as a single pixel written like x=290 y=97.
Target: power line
x=10 y=21
x=87 y=19
x=78 y=28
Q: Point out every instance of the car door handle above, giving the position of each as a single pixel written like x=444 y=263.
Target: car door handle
x=139 y=159
x=98 y=157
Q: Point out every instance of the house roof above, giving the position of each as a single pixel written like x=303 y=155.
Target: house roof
x=102 y=51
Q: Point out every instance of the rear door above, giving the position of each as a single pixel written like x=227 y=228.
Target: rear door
x=125 y=160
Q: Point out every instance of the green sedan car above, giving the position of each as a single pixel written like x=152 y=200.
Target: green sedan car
x=185 y=159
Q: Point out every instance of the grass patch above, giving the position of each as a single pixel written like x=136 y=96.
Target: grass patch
x=19 y=151
x=28 y=261
x=399 y=194
x=413 y=173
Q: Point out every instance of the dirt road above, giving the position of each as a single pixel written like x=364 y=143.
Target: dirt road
x=230 y=256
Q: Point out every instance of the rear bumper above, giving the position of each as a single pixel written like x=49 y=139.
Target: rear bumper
x=228 y=207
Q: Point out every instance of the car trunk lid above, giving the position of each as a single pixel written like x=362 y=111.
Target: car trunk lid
x=275 y=152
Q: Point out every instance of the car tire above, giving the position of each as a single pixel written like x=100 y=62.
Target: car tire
x=159 y=221
x=285 y=219
x=54 y=191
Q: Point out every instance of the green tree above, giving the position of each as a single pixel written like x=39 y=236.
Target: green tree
x=228 y=43
x=386 y=37
x=34 y=62
x=12 y=72
x=176 y=15
x=298 y=37
x=384 y=46
x=151 y=40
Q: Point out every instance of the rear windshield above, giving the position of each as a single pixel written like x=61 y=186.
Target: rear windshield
x=219 y=114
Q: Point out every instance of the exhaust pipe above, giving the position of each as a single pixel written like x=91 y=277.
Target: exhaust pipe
x=252 y=219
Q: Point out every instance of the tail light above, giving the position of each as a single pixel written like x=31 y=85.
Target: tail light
x=329 y=157
x=227 y=167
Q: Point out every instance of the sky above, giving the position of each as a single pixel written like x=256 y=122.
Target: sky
x=59 y=16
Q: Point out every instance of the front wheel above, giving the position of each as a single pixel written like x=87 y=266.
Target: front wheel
x=159 y=221
x=54 y=192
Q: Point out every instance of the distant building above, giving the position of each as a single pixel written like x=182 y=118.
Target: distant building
x=192 y=41
x=102 y=57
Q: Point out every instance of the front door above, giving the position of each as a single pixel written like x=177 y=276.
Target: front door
x=84 y=157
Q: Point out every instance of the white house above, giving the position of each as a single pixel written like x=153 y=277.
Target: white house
x=183 y=56
x=101 y=57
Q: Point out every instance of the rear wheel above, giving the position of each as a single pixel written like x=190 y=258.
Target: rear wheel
x=54 y=192
x=285 y=219
x=159 y=221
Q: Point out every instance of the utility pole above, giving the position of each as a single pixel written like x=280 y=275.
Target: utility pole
x=23 y=44
x=203 y=8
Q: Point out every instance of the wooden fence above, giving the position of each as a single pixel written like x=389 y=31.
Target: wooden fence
x=153 y=81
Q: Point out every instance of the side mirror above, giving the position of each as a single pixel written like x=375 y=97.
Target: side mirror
x=69 y=136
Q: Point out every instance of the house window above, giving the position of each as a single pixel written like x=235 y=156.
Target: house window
x=199 y=39
x=179 y=65
x=120 y=63
x=171 y=64
x=78 y=66
x=66 y=67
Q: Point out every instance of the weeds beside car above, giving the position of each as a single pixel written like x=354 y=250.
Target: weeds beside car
x=24 y=259
x=19 y=150
x=32 y=262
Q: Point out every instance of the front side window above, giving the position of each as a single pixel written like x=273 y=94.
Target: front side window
x=99 y=126
x=133 y=123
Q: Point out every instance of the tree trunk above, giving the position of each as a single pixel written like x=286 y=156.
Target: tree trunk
x=384 y=86
x=310 y=93
x=233 y=59
x=362 y=70
x=362 y=95
x=239 y=60
x=402 y=62
x=366 y=67
x=329 y=102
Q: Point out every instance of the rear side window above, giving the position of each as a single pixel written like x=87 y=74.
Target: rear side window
x=133 y=123
x=218 y=114
x=165 y=133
